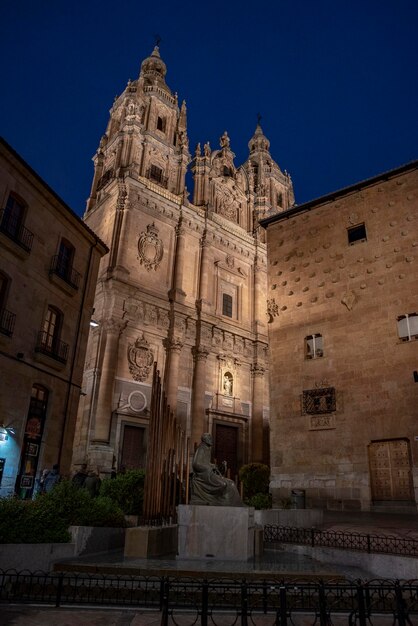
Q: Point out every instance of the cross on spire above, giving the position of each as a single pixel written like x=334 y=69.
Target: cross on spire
x=158 y=40
x=258 y=118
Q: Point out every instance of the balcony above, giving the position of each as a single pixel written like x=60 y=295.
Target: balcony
x=156 y=176
x=51 y=347
x=7 y=322
x=61 y=269
x=14 y=230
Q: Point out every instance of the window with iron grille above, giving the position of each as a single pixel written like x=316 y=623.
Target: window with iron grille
x=161 y=124
x=317 y=401
x=314 y=348
x=227 y=305
x=357 y=234
x=408 y=326
x=156 y=173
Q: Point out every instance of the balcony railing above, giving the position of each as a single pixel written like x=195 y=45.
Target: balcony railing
x=7 y=322
x=157 y=178
x=54 y=348
x=14 y=229
x=61 y=269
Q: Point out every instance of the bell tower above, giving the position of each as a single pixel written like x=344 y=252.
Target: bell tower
x=146 y=135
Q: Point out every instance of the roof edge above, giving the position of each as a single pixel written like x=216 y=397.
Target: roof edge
x=53 y=193
x=307 y=206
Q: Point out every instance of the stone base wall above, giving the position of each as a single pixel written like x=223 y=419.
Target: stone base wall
x=216 y=532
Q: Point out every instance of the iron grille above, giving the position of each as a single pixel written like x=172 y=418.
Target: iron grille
x=7 y=322
x=61 y=269
x=318 y=401
x=52 y=347
x=14 y=229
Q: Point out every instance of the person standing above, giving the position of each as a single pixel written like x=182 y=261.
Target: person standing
x=51 y=479
x=79 y=477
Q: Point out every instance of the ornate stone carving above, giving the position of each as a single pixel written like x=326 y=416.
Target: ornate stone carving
x=349 y=299
x=172 y=345
x=140 y=359
x=150 y=248
x=200 y=354
x=272 y=309
x=257 y=370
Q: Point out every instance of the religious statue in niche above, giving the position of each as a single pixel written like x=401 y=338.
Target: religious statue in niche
x=140 y=359
x=150 y=248
x=227 y=383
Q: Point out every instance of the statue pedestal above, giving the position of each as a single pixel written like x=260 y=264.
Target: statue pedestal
x=215 y=532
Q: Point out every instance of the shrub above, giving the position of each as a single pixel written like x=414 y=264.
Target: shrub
x=47 y=518
x=260 y=501
x=127 y=490
x=255 y=478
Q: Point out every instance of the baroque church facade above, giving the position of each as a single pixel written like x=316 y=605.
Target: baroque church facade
x=184 y=284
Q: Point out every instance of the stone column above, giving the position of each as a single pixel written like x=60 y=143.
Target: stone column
x=113 y=330
x=204 y=273
x=260 y=290
x=198 y=425
x=173 y=349
x=177 y=290
x=257 y=455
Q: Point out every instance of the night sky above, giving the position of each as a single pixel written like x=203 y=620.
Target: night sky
x=335 y=81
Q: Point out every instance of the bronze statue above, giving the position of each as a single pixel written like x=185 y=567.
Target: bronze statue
x=208 y=485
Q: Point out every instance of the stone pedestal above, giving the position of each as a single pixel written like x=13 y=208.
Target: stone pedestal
x=218 y=532
x=148 y=542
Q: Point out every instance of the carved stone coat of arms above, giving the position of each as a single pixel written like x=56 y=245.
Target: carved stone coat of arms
x=140 y=358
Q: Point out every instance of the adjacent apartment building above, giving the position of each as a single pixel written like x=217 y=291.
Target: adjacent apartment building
x=343 y=312
x=49 y=261
x=184 y=284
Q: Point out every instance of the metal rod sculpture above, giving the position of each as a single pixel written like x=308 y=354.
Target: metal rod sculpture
x=167 y=467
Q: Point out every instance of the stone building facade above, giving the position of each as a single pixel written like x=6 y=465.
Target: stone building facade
x=184 y=284
x=343 y=304
x=49 y=261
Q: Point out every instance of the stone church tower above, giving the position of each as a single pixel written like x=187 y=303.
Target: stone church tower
x=184 y=283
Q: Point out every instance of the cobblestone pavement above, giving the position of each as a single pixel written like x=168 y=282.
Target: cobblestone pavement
x=397 y=524
x=34 y=616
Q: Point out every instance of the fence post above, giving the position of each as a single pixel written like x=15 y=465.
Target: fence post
x=400 y=605
x=323 y=617
x=264 y=596
x=281 y=616
x=361 y=605
x=59 y=589
x=205 y=603
x=165 y=599
x=369 y=545
x=313 y=537
x=244 y=604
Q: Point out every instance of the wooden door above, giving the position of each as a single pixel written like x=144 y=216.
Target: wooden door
x=133 y=448
x=390 y=470
x=226 y=447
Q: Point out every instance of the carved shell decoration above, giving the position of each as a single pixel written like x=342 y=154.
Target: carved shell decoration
x=150 y=248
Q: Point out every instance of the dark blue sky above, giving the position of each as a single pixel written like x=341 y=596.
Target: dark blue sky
x=335 y=81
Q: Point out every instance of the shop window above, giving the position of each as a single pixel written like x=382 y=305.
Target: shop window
x=32 y=439
x=227 y=304
x=408 y=326
x=314 y=346
x=357 y=234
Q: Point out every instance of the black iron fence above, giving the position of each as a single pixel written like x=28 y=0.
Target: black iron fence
x=265 y=602
x=383 y=544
